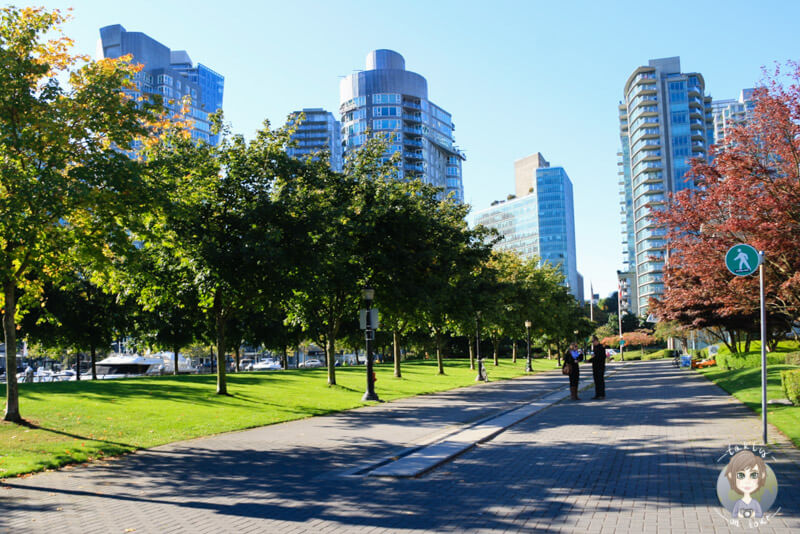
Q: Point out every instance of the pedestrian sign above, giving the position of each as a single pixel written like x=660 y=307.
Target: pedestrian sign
x=742 y=260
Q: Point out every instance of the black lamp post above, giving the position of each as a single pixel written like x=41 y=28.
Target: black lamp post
x=481 y=370
x=528 y=367
x=369 y=334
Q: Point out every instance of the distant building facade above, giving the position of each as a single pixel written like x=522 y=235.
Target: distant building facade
x=540 y=224
x=168 y=73
x=665 y=120
x=728 y=113
x=389 y=101
x=319 y=131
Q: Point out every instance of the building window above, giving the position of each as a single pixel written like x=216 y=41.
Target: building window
x=386 y=98
x=386 y=111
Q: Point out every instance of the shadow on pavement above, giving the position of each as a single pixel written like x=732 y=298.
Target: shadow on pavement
x=515 y=480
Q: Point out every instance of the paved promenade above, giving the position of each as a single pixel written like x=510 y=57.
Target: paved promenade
x=643 y=460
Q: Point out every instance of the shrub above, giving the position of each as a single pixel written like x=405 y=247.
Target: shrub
x=663 y=353
x=793 y=358
x=790 y=379
x=748 y=360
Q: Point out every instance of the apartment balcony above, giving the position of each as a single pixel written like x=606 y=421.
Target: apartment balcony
x=412 y=117
x=413 y=130
x=416 y=154
x=410 y=141
x=411 y=104
x=413 y=167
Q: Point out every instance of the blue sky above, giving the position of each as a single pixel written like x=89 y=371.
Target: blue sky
x=518 y=76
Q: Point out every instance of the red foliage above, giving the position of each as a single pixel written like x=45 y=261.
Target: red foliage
x=638 y=339
x=749 y=193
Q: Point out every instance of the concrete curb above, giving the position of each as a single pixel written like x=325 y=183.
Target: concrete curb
x=423 y=459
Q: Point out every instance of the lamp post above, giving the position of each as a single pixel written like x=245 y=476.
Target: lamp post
x=481 y=371
x=369 y=334
x=528 y=367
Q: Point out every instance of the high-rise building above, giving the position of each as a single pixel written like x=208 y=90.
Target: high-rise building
x=728 y=113
x=665 y=120
x=387 y=100
x=540 y=224
x=319 y=131
x=168 y=73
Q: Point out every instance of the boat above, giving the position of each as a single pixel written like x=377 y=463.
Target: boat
x=124 y=365
x=184 y=364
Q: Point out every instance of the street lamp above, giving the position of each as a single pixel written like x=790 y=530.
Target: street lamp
x=481 y=371
x=528 y=367
x=369 y=334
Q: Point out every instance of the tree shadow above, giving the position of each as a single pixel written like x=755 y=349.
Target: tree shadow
x=518 y=481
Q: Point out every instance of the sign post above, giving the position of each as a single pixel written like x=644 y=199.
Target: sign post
x=743 y=260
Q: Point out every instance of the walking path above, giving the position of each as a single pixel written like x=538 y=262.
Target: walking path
x=643 y=460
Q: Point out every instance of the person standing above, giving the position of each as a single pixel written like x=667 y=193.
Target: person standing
x=571 y=360
x=598 y=368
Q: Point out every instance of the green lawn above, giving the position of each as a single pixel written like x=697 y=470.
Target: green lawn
x=745 y=385
x=80 y=421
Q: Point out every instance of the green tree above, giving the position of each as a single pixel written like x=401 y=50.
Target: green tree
x=61 y=178
x=223 y=225
x=77 y=314
x=339 y=213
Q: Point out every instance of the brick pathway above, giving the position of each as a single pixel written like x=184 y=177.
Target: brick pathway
x=641 y=461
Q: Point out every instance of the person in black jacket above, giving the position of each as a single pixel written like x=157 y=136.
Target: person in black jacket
x=598 y=368
x=571 y=359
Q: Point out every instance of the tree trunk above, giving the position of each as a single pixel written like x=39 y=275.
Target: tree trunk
x=236 y=356
x=495 y=349
x=471 y=353
x=330 y=351
x=396 y=353
x=93 y=355
x=222 y=383
x=514 y=351
x=10 y=331
x=175 y=350
x=77 y=364
x=285 y=359
x=439 y=362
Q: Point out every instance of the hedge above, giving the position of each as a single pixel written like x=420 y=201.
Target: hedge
x=748 y=360
x=790 y=379
x=664 y=353
x=628 y=356
x=793 y=358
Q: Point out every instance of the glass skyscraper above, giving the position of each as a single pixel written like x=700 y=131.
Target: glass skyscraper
x=728 y=113
x=387 y=100
x=665 y=120
x=540 y=224
x=320 y=131
x=168 y=73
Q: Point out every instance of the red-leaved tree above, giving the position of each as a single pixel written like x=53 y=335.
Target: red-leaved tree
x=748 y=193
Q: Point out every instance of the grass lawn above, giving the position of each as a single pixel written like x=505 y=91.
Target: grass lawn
x=745 y=385
x=80 y=421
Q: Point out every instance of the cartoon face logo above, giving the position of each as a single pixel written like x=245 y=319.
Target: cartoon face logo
x=747 y=487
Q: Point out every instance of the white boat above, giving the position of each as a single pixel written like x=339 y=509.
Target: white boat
x=124 y=365
x=184 y=364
